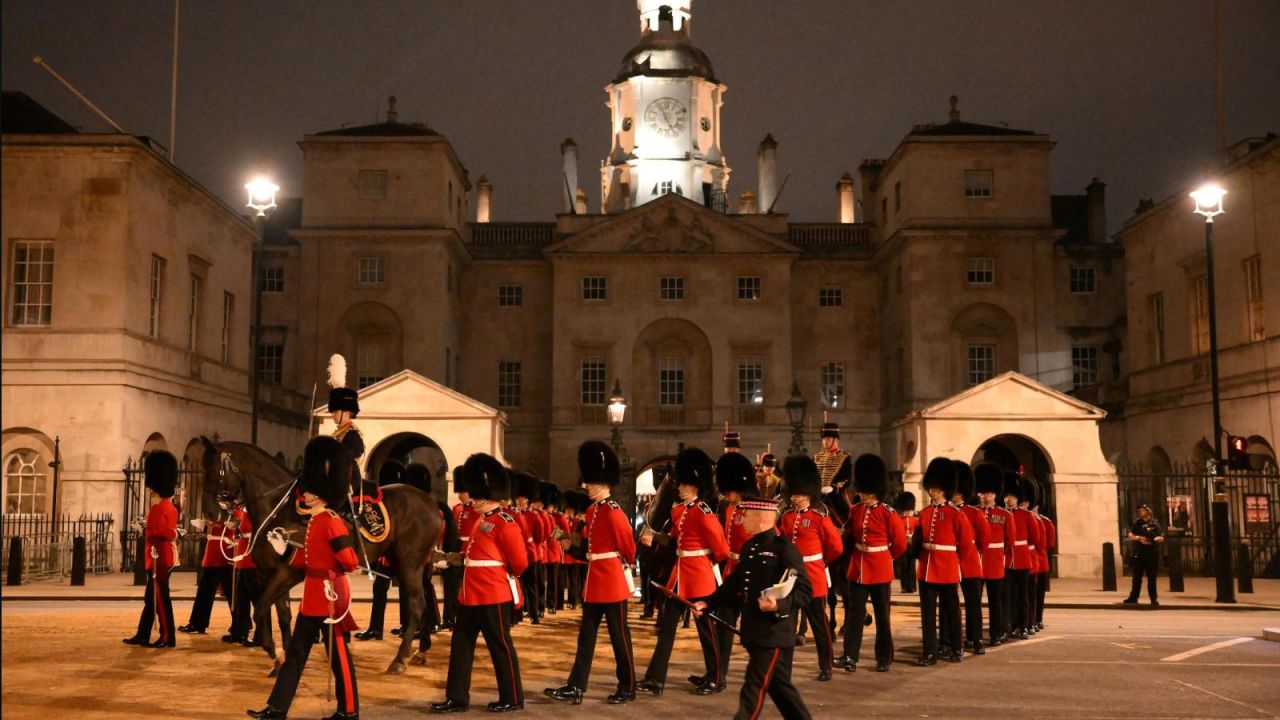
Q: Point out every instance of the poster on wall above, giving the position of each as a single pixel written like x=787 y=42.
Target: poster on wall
x=1257 y=513
x=1180 y=515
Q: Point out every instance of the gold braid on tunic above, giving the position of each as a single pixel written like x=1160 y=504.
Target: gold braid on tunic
x=348 y=427
x=766 y=483
x=829 y=464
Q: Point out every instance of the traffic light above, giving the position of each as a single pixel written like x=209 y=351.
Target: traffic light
x=1237 y=452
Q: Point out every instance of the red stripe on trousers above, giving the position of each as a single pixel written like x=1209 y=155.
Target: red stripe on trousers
x=515 y=682
x=764 y=685
x=626 y=638
x=344 y=663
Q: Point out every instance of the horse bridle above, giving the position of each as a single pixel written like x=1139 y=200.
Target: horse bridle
x=229 y=497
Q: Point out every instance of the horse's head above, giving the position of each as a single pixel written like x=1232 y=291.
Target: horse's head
x=326 y=470
x=664 y=497
x=223 y=481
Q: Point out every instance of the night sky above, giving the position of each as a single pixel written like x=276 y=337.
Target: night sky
x=1125 y=88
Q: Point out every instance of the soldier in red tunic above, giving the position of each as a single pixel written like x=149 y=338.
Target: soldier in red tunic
x=700 y=547
x=327 y=556
x=735 y=478
x=970 y=558
x=159 y=551
x=465 y=518
x=998 y=550
x=215 y=574
x=248 y=585
x=1050 y=545
x=494 y=556
x=1034 y=539
x=905 y=504
x=610 y=551
x=557 y=527
x=1047 y=536
x=943 y=529
x=807 y=525
x=576 y=504
x=878 y=537
x=1019 y=561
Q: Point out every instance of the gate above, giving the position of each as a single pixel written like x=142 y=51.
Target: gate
x=189 y=498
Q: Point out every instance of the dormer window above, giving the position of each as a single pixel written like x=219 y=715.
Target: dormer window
x=667 y=187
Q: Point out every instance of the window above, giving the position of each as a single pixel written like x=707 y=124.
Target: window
x=373 y=184
x=193 y=314
x=510 y=295
x=1200 y=318
x=593 y=382
x=897 y=196
x=1084 y=365
x=832 y=385
x=509 y=383
x=982 y=364
x=666 y=187
x=228 y=310
x=671 y=287
x=594 y=288
x=830 y=297
x=157 y=282
x=977 y=183
x=271 y=280
x=1155 y=305
x=1253 y=296
x=32 y=294
x=1257 y=512
x=1084 y=280
x=271 y=363
x=372 y=270
x=749 y=288
x=982 y=271
x=750 y=381
x=26 y=491
x=671 y=381
x=371 y=359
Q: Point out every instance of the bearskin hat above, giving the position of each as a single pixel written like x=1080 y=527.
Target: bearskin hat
x=391 y=472
x=161 y=472
x=693 y=467
x=597 y=464
x=459 y=480
x=731 y=439
x=870 y=475
x=830 y=430
x=1032 y=489
x=525 y=486
x=326 y=470
x=941 y=474
x=419 y=476
x=988 y=478
x=905 y=501
x=734 y=473
x=549 y=493
x=341 y=397
x=486 y=478
x=577 y=501
x=800 y=473
x=964 y=479
x=1013 y=486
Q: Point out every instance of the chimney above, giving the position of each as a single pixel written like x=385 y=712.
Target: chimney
x=954 y=114
x=766 y=173
x=1096 y=193
x=844 y=189
x=569 y=178
x=484 y=199
x=580 y=204
x=747 y=203
x=391 y=110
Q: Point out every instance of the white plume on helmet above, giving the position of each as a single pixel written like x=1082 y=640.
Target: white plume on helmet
x=337 y=371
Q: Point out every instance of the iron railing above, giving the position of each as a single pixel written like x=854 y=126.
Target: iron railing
x=47 y=544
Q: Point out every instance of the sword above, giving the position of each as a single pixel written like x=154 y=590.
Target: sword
x=715 y=618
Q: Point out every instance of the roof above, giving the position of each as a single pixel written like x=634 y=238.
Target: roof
x=959 y=128
x=20 y=115
x=383 y=129
x=666 y=53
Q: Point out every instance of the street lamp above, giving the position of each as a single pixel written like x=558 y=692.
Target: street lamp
x=1208 y=199
x=617 y=409
x=262 y=198
x=625 y=493
x=796 y=407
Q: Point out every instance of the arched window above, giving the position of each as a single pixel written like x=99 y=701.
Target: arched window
x=26 y=486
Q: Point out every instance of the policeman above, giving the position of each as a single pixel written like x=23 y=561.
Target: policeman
x=1145 y=536
x=610 y=550
x=768 y=622
x=943 y=529
x=160 y=536
x=493 y=558
x=734 y=480
x=998 y=551
x=808 y=527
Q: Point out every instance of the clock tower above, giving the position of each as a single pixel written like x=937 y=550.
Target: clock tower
x=665 y=113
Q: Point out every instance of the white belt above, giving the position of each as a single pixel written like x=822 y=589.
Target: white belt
x=733 y=556
x=602 y=556
x=995 y=546
x=464 y=538
x=1019 y=543
x=812 y=558
x=939 y=548
x=468 y=562
x=1031 y=547
x=871 y=548
x=693 y=553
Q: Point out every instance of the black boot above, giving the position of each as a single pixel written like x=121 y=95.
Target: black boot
x=567 y=693
x=267 y=713
x=369 y=634
x=710 y=687
x=499 y=706
x=448 y=706
x=649 y=686
x=620 y=697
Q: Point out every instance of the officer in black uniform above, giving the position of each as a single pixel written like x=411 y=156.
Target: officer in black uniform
x=1145 y=536
x=768 y=625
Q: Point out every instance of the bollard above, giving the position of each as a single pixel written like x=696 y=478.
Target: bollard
x=1245 y=567
x=15 y=561
x=1176 y=582
x=140 y=562
x=1108 y=567
x=78 y=553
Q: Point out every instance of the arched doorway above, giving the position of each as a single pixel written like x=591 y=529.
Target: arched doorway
x=412 y=447
x=1019 y=453
x=155 y=441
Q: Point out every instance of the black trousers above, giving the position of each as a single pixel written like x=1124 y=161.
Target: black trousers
x=931 y=595
x=1147 y=564
x=574 y=583
x=248 y=591
x=724 y=635
x=529 y=587
x=295 y=659
x=823 y=635
x=667 y=622
x=378 y=613
x=211 y=578
x=971 y=588
x=836 y=593
x=615 y=617
x=995 y=607
x=157 y=608
x=1039 y=587
x=879 y=596
x=907 y=572
x=555 y=586
x=1016 y=582
x=452 y=586
x=491 y=621
x=769 y=672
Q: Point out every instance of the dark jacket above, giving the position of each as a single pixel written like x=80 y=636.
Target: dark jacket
x=1149 y=529
x=761 y=565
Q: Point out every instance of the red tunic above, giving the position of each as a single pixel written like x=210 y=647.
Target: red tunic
x=328 y=554
x=466 y=516
x=242 y=528
x=1050 y=539
x=555 y=553
x=537 y=533
x=971 y=553
x=1024 y=540
x=910 y=523
x=494 y=556
x=213 y=557
x=735 y=535
x=1048 y=535
x=611 y=549
x=943 y=529
x=161 y=533
x=818 y=541
x=998 y=551
x=878 y=537
x=700 y=548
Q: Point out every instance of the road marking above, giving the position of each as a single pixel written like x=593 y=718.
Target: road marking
x=1205 y=648
x=1146 y=662
x=1265 y=713
x=1131 y=646
x=1021 y=643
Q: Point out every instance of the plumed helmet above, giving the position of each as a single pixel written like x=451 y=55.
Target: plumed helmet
x=734 y=473
x=597 y=464
x=577 y=501
x=160 y=470
x=326 y=470
x=549 y=493
x=341 y=397
x=693 y=467
x=831 y=430
x=870 y=475
x=905 y=501
x=391 y=472
x=1013 y=485
x=964 y=479
x=524 y=486
x=419 y=476
x=988 y=478
x=731 y=439
x=800 y=473
x=486 y=478
x=769 y=460
x=459 y=480
x=941 y=474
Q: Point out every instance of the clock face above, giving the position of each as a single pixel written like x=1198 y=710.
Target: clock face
x=665 y=117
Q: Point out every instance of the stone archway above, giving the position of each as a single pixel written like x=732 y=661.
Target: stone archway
x=155 y=441
x=1021 y=454
x=411 y=447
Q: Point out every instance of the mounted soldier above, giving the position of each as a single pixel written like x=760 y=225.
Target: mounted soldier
x=344 y=407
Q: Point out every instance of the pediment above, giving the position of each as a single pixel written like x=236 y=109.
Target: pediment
x=671 y=225
x=1012 y=395
x=408 y=394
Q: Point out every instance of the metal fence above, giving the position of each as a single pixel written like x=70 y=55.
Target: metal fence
x=189 y=500
x=47 y=544
x=1181 y=500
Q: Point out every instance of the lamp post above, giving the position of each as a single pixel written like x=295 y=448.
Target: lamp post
x=1208 y=199
x=796 y=407
x=617 y=411
x=262 y=198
